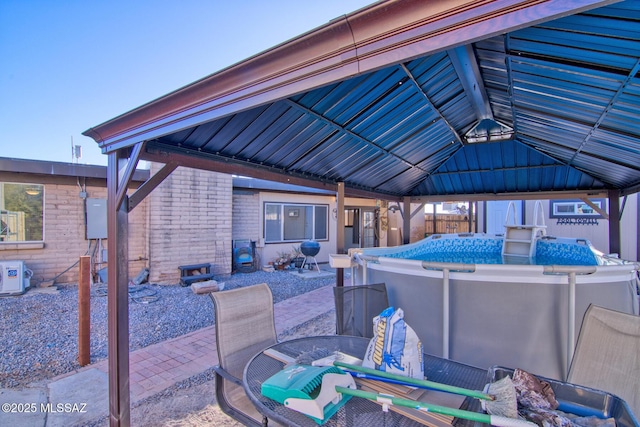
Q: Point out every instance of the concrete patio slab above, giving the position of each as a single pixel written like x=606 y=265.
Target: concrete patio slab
x=25 y=407
x=78 y=399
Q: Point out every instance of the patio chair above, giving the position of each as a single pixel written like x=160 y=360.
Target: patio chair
x=356 y=306
x=607 y=355
x=244 y=326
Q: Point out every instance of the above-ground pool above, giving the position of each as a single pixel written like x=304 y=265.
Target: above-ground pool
x=468 y=302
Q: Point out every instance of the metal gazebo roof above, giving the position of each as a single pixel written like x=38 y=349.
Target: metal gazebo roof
x=420 y=99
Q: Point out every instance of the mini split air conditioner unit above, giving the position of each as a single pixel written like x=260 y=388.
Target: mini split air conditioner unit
x=14 y=278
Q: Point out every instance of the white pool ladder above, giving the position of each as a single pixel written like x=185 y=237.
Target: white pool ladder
x=520 y=240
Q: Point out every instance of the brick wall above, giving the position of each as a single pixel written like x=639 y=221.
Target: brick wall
x=246 y=218
x=246 y=215
x=189 y=223
x=64 y=236
x=186 y=220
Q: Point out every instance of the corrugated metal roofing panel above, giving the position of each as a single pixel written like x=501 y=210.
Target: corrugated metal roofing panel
x=569 y=88
x=435 y=159
x=623 y=115
x=335 y=158
x=440 y=83
x=407 y=179
x=557 y=151
x=378 y=172
x=395 y=123
x=575 y=48
x=344 y=153
x=197 y=137
x=304 y=134
x=252 y=129
x=430 y=140
x=502 y=167
x=535 y=127
x=290 y=125
x=617 y=151
x=603 y=167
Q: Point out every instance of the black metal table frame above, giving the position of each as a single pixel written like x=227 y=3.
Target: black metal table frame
x=356 y=411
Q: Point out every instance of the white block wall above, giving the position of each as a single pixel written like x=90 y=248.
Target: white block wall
x=189 y=223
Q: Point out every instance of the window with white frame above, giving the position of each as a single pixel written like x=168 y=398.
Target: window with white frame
x=576 y=208
x=289 y=222
x=21 y=212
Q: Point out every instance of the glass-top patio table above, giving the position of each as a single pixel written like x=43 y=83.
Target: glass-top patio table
x=357 y=411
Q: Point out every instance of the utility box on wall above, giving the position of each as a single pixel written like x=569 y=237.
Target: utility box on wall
x=96 y=212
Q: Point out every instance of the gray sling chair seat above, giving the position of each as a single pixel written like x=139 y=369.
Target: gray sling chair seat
x=607 y=354
x=356 y=306
x=244 y=326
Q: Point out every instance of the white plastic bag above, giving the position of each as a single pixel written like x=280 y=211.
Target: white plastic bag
x=395 y=347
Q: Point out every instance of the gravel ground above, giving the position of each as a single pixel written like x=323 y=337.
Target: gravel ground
x=39 y=332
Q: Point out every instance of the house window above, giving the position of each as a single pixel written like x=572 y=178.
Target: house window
x=576 y=208
x=21 y=212
x=294 y=222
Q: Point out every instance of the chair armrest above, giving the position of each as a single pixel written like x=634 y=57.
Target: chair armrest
x=226 y=375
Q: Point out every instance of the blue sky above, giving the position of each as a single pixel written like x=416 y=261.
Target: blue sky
x=68 y=65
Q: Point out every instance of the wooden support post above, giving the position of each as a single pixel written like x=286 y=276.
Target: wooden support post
x=84 y=311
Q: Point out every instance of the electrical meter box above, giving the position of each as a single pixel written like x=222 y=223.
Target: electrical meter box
x=96 y=218
x=12 y=278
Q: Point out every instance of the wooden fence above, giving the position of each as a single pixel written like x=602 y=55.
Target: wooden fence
x=448 y=223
